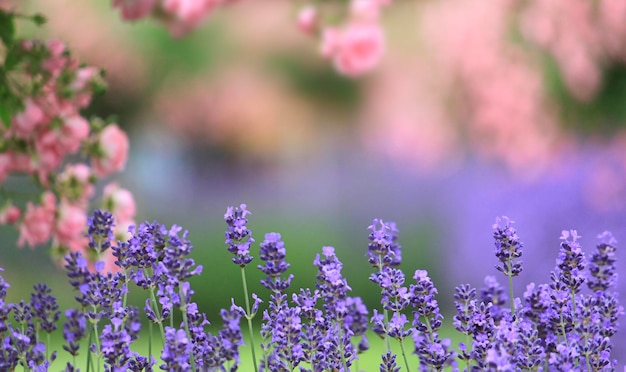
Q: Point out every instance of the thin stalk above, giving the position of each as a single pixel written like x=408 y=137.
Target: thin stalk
x=158 y=314
x=183 y=310
x=48 y=346
x=406 y=361
x=511 y=295
x=149 y=341
x=385 y=313
x=249 y=317
x=341 y=347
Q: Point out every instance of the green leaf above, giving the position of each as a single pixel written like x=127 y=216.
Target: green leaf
x=7 y=28
x=12 y=59
x=5 y=115
x=39 y=19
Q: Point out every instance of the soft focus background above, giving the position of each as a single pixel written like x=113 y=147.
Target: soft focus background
x=478 y=109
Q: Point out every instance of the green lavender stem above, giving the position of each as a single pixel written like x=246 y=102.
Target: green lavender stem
x=249 y=317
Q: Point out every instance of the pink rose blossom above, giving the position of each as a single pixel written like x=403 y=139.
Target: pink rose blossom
x=134 y=9
x=113 y=144
x=38 y=222
x=9 y=214
x=356 y=49
x=27 y=120
x=120 y=202
x=307 y=19
x=70 y=227
x=183 y=16
x=365 y=10
x=74 y=130
x=5 y=166
x=74 y=184
x=49 y=154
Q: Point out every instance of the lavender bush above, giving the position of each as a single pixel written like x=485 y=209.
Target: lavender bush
x=564 y=325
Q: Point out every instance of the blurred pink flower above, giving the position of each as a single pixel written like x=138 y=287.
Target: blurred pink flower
x=119 y=202
x=70 y=227
x=26 y=121
x=5 y=166
x=365 y=10
x=113 y=151
x=355 y=49
x=37 y=225
x=307 y=19
x=569 y=30
x=74 y=130
x=74 y=184
x=9 y=214
x=134 y=9
x=182 y=16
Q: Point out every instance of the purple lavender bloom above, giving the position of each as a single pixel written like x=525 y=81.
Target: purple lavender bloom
x=389 y=363
x=356 y=321
x=45 y=308
x=394 y=296
x=230 y=334
x=602 y=264
x=492 y=292
x=176 y=267
x=238 y=236
x=115 y=347
x=273 y=252
x=176 y=351
x=432 y=351
x=74 y=330
x=464 y=294
x=508 y=247
x=571 y=262
x=142 y=251
x=383 y=250
x=100 y=230
x=331 y=283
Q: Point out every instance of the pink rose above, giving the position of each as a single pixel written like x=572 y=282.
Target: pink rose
x=5 y=166
x=356 y=49
x=49 y=154
x=365 y=10
x=182 y=16
x=113 y=147
x=70 y=227
x=74 y=183
x=26 y=121
x=134 y=9
x=9 y=214
x=307 y=19
x=119 y=202
x=38 y=222
x=74 y=130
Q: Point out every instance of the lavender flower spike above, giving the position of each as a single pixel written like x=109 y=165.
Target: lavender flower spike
x=508 y=246
x=238 y=236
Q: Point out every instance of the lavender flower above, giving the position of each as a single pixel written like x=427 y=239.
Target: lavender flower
x=45 y=308
x=238 y=236
x=272 y=251
x=383 y=250
x=74 y=330
x=389 y=363
x=508 y=247
x=176 y=351
x=100 y=230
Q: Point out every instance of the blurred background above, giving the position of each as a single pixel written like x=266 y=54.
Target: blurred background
x=477 y=110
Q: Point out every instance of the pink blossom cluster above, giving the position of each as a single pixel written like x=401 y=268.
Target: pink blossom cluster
x=178 y=16
x=581 y=36
x=41 y=139
x=355 y=46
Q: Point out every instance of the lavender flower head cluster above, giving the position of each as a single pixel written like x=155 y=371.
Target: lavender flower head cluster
x=565 y=324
